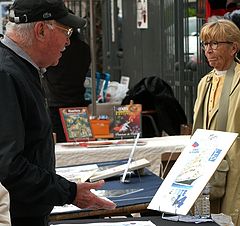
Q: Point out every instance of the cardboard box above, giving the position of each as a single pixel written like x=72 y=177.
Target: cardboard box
x=100 y=127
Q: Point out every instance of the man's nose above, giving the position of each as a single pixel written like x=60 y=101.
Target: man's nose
x=68 y=42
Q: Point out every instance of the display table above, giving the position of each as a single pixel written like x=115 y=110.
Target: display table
x=152 y=151
x=131 y=197
x=157 y=220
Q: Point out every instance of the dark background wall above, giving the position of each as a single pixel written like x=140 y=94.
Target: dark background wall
x=160 y=50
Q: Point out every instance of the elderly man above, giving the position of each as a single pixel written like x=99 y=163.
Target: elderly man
x=36 y=35
x=218 y=103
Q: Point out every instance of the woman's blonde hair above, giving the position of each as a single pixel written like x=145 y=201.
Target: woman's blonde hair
x=220 y=30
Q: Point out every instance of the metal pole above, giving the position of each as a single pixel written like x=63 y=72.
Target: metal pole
x=93 y=56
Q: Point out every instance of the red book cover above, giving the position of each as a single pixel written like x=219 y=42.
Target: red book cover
x=76 y=124
x=127 y=120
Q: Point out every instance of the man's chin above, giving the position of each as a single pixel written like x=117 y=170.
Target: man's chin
x=55 y=63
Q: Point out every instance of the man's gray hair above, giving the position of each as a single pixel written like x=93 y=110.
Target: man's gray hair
x=24 y=32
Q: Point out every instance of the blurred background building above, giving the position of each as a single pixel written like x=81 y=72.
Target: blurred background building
x=144 y=38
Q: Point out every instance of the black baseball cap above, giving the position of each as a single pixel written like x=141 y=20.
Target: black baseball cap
x=26 y=11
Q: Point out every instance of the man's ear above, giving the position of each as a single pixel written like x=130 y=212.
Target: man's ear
x=39 y=30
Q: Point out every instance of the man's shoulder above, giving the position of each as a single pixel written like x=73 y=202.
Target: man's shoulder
x=11 y=65
x=10 y=60
x=7 y=56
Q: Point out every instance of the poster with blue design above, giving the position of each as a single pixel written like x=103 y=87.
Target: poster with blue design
x=192 y=171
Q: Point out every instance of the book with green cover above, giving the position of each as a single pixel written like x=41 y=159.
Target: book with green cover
x=76 y=123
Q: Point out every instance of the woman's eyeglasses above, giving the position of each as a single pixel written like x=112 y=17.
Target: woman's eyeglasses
x=213 y=44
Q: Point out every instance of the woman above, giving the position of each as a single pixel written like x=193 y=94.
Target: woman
x=4 y=207
x=217 y=106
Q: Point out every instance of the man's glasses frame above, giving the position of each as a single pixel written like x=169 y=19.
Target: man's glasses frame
x=213 y=44
x=67 y=31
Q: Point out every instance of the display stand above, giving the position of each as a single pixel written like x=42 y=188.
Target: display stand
x=123 y=179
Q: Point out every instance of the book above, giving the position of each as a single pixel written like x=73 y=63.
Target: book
x=117 y=170
x=127 y=120
x=76 y=124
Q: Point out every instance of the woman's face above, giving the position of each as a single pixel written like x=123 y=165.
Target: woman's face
x=220 y=54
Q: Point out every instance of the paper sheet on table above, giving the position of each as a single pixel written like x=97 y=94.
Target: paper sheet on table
x=77 y=173
x=187 y=218
x=69 y=208
x=64 y=209
x=124 y=223
x=115 y=192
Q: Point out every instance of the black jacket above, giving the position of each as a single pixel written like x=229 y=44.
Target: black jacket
x=64 y=83
x=156 y=94
x=26 y=144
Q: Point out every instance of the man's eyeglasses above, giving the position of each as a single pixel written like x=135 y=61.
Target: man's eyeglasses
x=68 y=31
x=213 y=44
